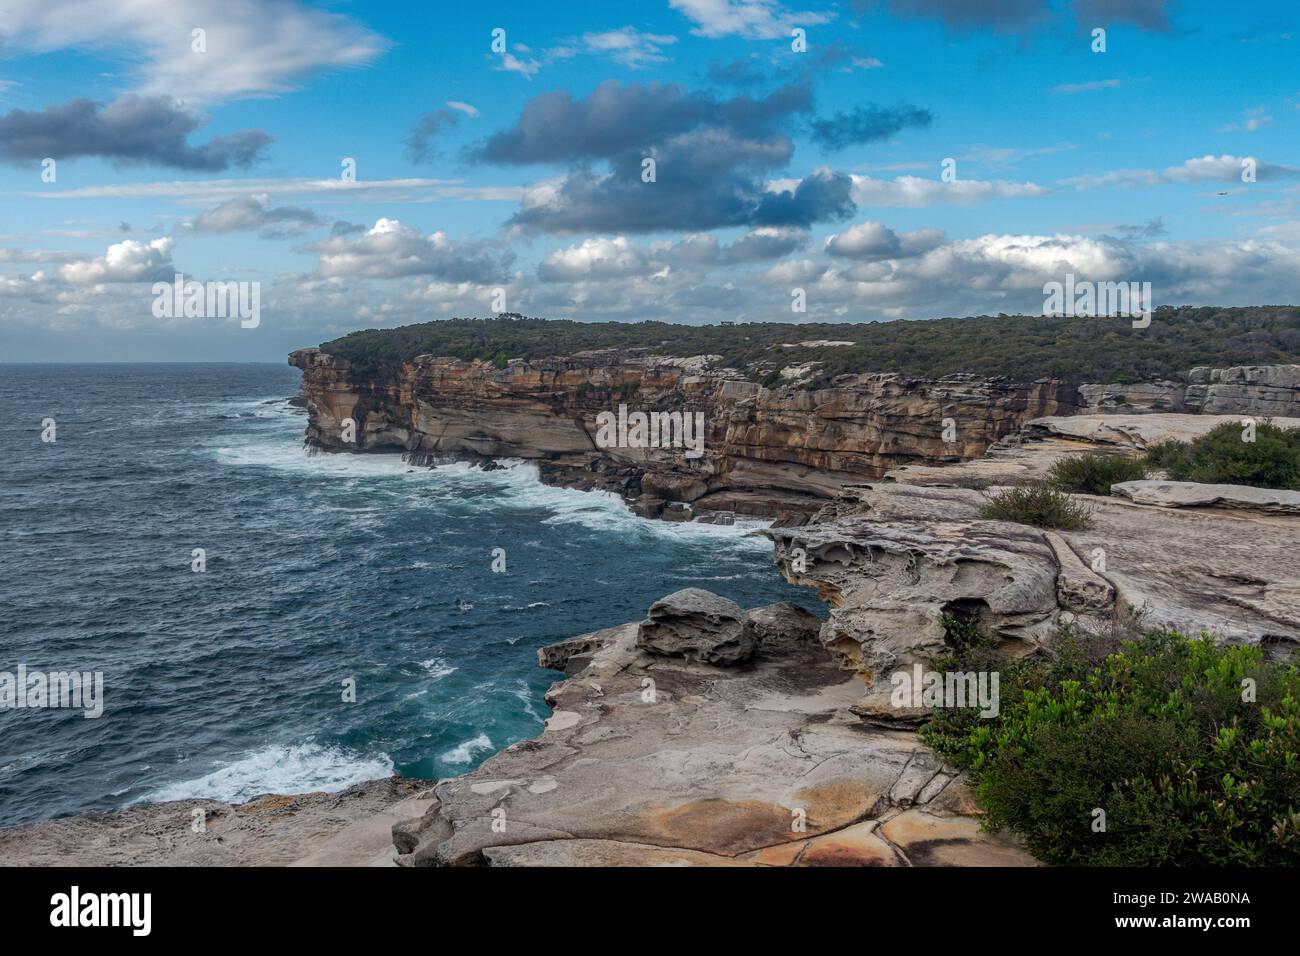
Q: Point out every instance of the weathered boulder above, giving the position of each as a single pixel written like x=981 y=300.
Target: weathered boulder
x=1192 y=494
x=784 y=622
x=698 y=625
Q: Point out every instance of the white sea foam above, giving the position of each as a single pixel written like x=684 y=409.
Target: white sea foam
x=514 y=485
x=466 y=751
x=437 y=667
x=300 y=769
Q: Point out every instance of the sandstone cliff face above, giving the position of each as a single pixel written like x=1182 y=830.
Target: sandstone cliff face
x=1263 y=390
x=766 y=451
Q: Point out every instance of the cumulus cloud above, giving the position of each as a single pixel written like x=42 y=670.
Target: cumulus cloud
x=994 y=273
x=132 y=130
x=391 y=250
x=874 y=240
x=125 y=261
x=256 y=214
x=599 y=259
x=766 y=242
x=595 y=259
x=710 y=160
x=254 y=47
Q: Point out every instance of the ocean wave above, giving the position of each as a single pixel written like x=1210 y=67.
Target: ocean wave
x=304 y=768
x=514 y=485
x=437 y=667
x=465 y=752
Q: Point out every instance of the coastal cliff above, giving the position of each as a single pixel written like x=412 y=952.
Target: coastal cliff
x=766 y=451
x=714 y=736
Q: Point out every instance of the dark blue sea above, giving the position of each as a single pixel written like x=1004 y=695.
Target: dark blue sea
x=320 y=568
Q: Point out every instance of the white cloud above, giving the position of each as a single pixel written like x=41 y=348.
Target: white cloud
x=390 y=250
x=1252 y=121
x=1089 y=87
x=509 y=63
x=629 y=46
x=874 y=240
x=202 y=191
x=596 y=259
x=915 y=191
x=751 y=19
x=254 y=47
x=125 y=261
x=1204 y=169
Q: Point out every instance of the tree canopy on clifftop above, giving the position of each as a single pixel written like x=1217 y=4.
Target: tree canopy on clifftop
x=1021 y=347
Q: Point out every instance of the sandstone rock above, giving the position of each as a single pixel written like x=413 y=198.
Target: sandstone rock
x=698 y=625
x=1030 y=454
x=674 y=763
x=1258 y=390
x=648 y=507
x=348 y=828
x=766 y=451
x=1191 y=494
x=561 y=654
x=1133 y=399
x=891 y=558
x=784 y=622
x=1272 y=390
x=1078 y=587
x=677 y=511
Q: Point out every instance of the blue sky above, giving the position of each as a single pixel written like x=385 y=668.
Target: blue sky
x=482 y=173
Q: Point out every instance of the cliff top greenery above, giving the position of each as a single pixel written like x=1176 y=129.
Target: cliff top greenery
x=1022 y=348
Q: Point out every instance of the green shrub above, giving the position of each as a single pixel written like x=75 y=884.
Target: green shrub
x=1221 y=456
x=1072 y=348
x=1037 y=504
x=1157 y=735
x=1094 y=474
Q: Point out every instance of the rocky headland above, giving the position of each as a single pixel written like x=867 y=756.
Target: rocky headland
x=708 y=734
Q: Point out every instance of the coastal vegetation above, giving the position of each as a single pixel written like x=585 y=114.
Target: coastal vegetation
x=1094 y=474
x=1160 y=750
x=1270 y=459
x=1022 y=347
x=1037 y=504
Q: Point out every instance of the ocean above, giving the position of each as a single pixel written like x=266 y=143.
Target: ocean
x=323 y=572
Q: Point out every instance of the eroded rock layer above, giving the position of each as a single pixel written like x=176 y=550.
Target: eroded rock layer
x=765 y=451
